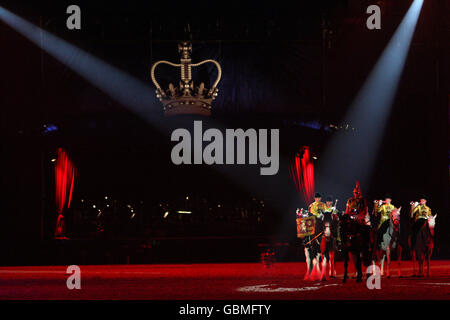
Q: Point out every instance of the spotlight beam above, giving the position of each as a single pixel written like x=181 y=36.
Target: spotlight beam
x=351 y=157
x=130 y=92
x=125 y=89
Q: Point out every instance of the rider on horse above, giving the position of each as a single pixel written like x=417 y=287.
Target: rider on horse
x=331 y=216
x=357 y=210
x=330 y=238
x=317 y=207
x=420 y=213
x=357 y=206
x=330 y=209
x=383 y=211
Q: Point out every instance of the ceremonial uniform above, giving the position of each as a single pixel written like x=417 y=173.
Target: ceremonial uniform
x=385 y=213
x=330 y=209
x=420 y=212
x=317 y=208
x=328 y=214
x=357 y=207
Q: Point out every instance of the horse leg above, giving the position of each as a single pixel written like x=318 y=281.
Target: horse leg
x=413 y=256
x=346 y=258
x=382 y=264
x=428 y=263
x=388 y=262
x=420 y=261
x=399 y=253
x=323 y=276
x=308 y=261
x=368 y=273
x=358 y=267
x=332 y=266
x=315 y=273
x=352 y=264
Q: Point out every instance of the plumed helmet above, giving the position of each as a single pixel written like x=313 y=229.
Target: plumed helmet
x=357 y=188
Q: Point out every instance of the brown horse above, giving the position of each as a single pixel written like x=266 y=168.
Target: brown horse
x=423 y=248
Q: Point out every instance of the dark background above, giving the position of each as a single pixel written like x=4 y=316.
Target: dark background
x=284 y=65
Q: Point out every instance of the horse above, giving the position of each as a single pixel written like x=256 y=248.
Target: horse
x=355 y=241
x=312 y=253
x=390 y=243
x=423 y=248
x=328 y=246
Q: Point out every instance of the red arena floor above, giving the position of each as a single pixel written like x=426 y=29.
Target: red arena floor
x=216 y=281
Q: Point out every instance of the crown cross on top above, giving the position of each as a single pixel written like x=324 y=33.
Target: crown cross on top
x=186 y=98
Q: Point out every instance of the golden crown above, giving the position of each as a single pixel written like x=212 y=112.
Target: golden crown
x=186 y=98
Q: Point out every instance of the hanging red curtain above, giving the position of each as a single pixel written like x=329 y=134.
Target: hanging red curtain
x=302 y=172
x=64 y=180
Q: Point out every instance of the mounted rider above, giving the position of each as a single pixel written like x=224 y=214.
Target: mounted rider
x=331 y=216
x=317 y=207
x=383 y=211
x=358 y=211
x=419 y=212
x=330 y=238
x=307 y=229
x=330 y=212
x=357 y=207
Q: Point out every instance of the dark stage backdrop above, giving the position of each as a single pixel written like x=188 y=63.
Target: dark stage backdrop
x=296 y=70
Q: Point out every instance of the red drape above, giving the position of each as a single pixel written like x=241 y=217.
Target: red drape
x=64 y=180
x=302 y=172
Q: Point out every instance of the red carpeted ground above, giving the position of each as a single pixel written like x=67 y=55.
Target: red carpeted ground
x=214 y=281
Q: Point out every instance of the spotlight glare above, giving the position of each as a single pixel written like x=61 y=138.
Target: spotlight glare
x=122 y=87
x=351 y=157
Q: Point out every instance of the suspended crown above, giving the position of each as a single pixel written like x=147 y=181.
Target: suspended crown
x=186 y=98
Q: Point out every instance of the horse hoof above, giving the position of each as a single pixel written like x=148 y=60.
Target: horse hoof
x=359 y=280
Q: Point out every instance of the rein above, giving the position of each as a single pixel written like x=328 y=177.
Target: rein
x=313 y=239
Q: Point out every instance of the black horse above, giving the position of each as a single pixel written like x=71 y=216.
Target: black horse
x=355 y=240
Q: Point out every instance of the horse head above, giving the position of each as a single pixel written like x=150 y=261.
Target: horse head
x=327 y=229
x=395 y=218
x=431 y=220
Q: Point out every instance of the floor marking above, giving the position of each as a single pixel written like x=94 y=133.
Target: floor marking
x=266 y=288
